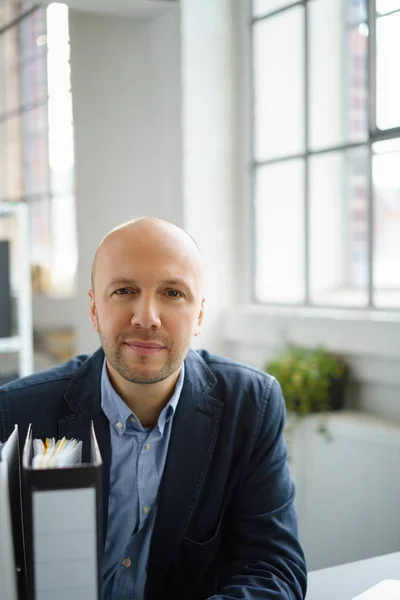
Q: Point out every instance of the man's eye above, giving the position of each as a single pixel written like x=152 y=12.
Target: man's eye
x=174 y=294
x=122 y=291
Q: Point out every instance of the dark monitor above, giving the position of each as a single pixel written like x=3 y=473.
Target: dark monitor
x=5 y=290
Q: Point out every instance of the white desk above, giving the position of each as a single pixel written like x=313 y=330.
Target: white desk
x=347 y=581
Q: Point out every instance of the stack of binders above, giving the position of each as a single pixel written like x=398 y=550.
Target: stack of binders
x=50 y=525
x=13 y=582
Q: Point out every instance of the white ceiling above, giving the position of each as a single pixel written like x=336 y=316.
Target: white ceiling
x=141 y=9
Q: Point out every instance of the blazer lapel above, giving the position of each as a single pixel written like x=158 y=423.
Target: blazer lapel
x=102 y=431
x=84 y=398
x=193 y=438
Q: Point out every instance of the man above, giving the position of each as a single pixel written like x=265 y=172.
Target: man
x=196 y=485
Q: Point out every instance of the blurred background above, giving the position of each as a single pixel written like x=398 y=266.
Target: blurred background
x=270 y=131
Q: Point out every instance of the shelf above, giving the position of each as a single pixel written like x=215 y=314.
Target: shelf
x=22 y=343
x=12 y=344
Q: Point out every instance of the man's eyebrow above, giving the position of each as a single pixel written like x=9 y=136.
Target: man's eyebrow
x=176 y=281
x=121 y=281
x=171 y=282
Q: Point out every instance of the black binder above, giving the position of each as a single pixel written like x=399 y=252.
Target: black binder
x=13 y=583
x=63 y=527
x=5 y=289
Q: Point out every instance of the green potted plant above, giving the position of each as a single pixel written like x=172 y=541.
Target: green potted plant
x=312 y=379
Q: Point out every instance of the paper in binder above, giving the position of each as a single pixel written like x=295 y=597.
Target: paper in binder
x=63 y=523
x=51 y=454
x=12 y=557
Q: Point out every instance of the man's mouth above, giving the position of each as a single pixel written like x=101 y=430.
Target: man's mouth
x=144 y=347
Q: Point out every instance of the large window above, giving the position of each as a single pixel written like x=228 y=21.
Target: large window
x=36 y=134
x=326 y=152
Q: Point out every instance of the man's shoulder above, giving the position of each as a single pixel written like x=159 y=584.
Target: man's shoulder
x=44 y=398
x=223 y=365
x=235 y=376
x=48 y=378
x=249 y=395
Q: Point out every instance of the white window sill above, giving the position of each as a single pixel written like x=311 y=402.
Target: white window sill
x=342 y=314
x=357 y=332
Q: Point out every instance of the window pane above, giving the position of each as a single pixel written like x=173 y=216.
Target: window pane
x=36 y=132
x=262 y=7
x=13 y=154
x=9 y=231
x=356 y=12
x=11 y=69
x=58 y=72
x=27 y=4
x=279 y=85
x=355 y=92
x=35 y=120
x=64 y=253
x=7 y=12
x=34 y=82
x=36 y=152
x=386 y=179
x=57 y=26
x=40 y=232
x=2 y=13
x=10 y=9
x=338 y=77
x=33 y=35
x=385 y=6
x=279 y=239
x=339 y=228
x=387 y=69
x=3 y=182
x=2 y=77
x=14 y=8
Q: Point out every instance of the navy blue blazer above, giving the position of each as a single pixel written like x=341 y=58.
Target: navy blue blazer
x=226 y=526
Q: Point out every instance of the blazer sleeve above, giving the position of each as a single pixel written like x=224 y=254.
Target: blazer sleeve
x=2 y=427
x=265 y=559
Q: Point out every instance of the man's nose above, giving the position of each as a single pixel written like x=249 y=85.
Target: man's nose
x=145 y=313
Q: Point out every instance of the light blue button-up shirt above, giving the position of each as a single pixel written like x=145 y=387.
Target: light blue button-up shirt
x=137 y=463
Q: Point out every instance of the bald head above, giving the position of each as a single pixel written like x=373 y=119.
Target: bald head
x=147 y=282
x=137 y=236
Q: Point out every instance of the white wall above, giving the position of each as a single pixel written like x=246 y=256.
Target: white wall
x=166 y=98
x=127 y=132
x=155 y=112
x=370 y=342
x=210 y=176
x=350 y=516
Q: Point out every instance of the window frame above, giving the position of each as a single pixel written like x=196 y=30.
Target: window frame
x=33 y=73
x=374 y=134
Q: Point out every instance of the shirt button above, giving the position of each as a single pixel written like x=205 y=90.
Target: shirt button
x=145 y=509
x=148 y=446
x=127 y=562
x=119 y=425
x=132 y=419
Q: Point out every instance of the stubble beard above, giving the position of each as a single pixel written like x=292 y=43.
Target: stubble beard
x=117 y=359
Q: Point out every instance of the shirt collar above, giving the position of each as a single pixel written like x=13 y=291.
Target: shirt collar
x=118 y=413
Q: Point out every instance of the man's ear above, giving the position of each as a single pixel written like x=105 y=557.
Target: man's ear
x=93 y=312
x=200 y=318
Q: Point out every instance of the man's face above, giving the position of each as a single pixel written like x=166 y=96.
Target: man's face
x=147 y=304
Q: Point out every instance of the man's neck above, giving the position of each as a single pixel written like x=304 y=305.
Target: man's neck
x=146 y=400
